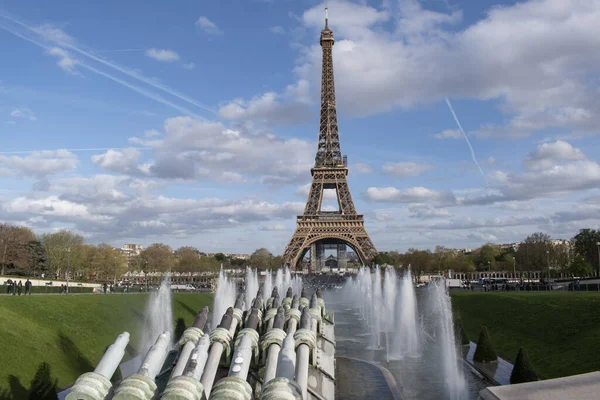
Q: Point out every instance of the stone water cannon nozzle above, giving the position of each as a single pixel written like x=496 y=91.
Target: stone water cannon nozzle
x=201 y=318
x=314 y=302
x=155 y=357
x=305 y=319
x=240 y=303
x=289 y=292
x=303 y=293
x=276 y=302
x=279 y=321
x=295 y=302
x=319 y=293
x=253 y=319
x=141 y=386
x=96 y=385
x=275 y=292
x=187 y=385
x=227 y=319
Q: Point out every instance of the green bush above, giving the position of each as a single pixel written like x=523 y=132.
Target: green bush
x=484 y=351
x=522 y=371
x=464 y=338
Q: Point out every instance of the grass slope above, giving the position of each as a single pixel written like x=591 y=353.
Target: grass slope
x=560 y=331
x=72 y=332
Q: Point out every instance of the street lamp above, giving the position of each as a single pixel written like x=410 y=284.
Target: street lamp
x=514 y=269
x=68 y=268
x=597 y=244
x=548 y=256
x=115 y=280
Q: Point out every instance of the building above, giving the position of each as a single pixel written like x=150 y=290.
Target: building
x=130 y=251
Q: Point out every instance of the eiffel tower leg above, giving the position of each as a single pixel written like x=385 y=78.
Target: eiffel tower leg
x=341 y=255
x=313 y=257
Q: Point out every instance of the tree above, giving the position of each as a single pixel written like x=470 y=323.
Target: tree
x=532 y=252
x=580 y=267
x=104 y=263
x=220 y=257
x=188 y=260
x=522 y=371
x=261 y=259
x=461 y=263
x=65 y=249
x=485 y=351
x=486 y=257
x=38 y=260
x=158 y=257
x=585 y=245
x=14 y=253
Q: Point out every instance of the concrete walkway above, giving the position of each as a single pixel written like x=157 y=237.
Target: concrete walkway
x=498 y=372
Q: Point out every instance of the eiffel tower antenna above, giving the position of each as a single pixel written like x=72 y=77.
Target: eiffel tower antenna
x=317 y=229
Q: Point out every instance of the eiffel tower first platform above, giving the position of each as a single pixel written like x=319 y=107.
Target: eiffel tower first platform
x=316 y=229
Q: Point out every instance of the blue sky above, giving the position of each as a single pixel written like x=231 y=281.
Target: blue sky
x=195 y=122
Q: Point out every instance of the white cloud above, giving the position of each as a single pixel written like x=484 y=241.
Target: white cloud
x=189 y=66
x=362 y=168
x=489 y=161
x=274 y=227
x=423 y=211
x=328 y=195
x=542 y=80
x=208 y=26
x=23 y=113
x=270 y=108
x=125 y=161
x=39 y=164
x=66 y=61
x=164 y=55
x=549 y=154
x=194 y=149
x=409 y=195
x=449 y=134
x=277 y=30
x=405 y=169
x=117 y=207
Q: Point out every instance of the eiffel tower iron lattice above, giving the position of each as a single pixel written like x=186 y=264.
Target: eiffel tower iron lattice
x=342 y=227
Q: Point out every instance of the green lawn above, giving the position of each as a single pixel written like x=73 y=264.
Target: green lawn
x=72 y=332
x=560 y=331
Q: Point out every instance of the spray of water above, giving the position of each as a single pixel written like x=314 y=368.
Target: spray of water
x=455 y=382
x=225 y=296
x=159 y=315
x=251 y=286
x=406 y=343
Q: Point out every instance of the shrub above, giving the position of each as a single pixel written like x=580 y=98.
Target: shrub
x=484 y=351
x=464 y=338
x=522 y=371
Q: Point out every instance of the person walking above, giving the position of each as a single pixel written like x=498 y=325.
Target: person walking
x=8 y=286
x=20 y=287
x=28 y=287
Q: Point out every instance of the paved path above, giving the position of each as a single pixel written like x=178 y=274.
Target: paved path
x=497 y=372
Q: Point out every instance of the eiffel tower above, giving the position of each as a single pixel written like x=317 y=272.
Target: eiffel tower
x=317 y=229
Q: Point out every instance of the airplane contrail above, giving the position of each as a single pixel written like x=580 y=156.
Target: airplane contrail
x=465 y=136
x=126 y=71
x=75 y=150
x=128 y=85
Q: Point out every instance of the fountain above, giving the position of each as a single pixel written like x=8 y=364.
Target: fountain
x=455 y=382
x=406 y=343
x=251 y=286
x=159 y=315
x=225 y=296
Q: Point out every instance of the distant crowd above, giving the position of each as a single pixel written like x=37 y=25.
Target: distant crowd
x=14 y=288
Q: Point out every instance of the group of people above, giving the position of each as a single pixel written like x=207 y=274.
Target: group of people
x=12 y=287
